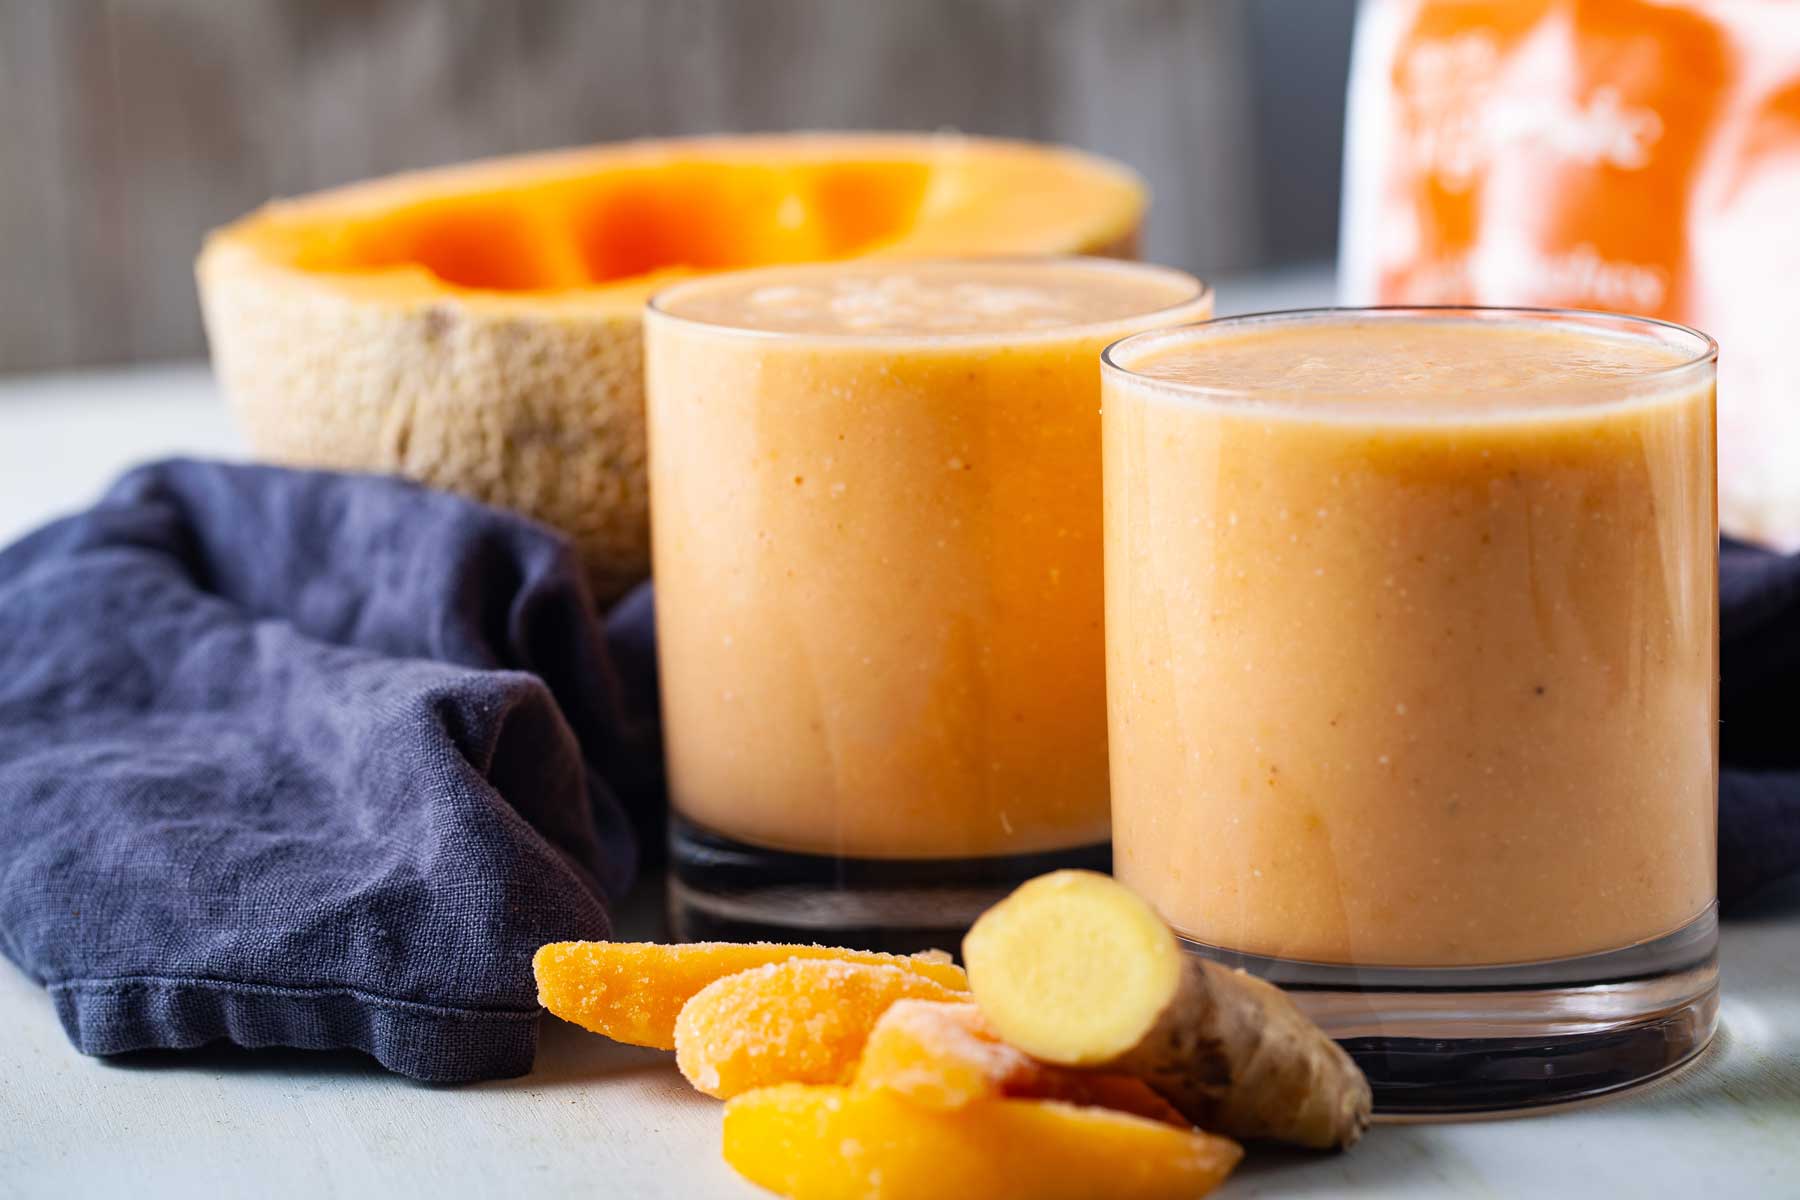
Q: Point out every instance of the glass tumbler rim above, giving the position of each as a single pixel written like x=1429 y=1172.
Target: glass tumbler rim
x=1700 y=351
x=659 y=305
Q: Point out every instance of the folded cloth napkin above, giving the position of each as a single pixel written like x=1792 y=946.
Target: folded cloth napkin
x=306 y=759
x=1759 y=722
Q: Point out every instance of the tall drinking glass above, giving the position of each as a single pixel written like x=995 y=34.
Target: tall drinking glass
x=1412 y=649
x=875 y=509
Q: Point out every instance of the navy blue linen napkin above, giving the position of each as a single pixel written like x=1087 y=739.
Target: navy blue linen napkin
x=1759 y=712
x=305 y=759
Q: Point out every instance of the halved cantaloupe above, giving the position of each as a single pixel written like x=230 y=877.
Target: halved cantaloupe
x=477 y=327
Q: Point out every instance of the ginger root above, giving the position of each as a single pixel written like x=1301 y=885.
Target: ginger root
x=1073 y=968
x=834 y=1143
x=800 y=1021
x=943 y=1055
x=632 y=991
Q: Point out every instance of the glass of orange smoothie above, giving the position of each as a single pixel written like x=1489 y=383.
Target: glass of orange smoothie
x=1412 y=638
x=876 y=509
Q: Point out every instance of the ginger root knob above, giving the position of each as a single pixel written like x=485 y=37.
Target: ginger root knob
x=1073 y=968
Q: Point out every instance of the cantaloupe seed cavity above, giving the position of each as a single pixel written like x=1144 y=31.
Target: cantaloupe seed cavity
x=633 y=222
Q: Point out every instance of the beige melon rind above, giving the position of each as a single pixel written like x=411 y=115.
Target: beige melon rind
x=543 y=415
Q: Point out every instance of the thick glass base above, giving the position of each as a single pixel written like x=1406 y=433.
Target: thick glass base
x=1460 y=1040
x=721 y=889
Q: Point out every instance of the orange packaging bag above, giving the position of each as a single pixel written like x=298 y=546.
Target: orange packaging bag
x=1630 y=155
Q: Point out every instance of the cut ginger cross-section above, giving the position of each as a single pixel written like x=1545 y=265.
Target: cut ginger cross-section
x=632 y=991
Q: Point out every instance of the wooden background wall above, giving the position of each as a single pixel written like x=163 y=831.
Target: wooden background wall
x=128 y=127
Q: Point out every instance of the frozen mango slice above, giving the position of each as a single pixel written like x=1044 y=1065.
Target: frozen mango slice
x=940 y=1055
x=632 y=991
x=800 y=1021
x=943 y=1055
x=833 y=1143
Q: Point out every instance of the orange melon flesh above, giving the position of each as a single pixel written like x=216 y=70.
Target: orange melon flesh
x=628 y=229
x=477 y=327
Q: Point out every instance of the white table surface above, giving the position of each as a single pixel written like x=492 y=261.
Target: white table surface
x=600 y=1120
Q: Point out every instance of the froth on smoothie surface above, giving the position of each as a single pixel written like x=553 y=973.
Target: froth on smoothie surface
x=1412 y=366
x=930 y=299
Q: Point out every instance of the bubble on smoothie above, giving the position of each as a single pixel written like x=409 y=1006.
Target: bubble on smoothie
x=780 y=296
x=900 y=302
x=933 y=298
x=1413 y=362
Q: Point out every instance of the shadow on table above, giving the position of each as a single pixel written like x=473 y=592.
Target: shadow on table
x=224 y=1057
x=1390 y=1158
x=1747 y=1072
x=1751 y=1070
x=570 y=1056
x=567 y=1055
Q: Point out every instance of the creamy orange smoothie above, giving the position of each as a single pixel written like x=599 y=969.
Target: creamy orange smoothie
x=1412 y=633
x=876 y=508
